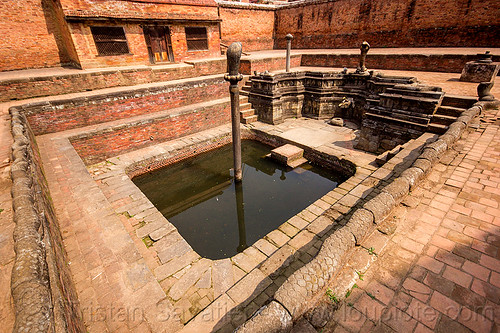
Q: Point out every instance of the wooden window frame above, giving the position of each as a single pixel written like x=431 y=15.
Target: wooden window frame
x=196 y=39
x=99 y=42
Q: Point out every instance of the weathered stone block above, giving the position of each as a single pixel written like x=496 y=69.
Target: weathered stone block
x=398 y=188
x=380 y=206
x=413 y=175
x=359 y=224
x=464 y=119
x=448 y=139
x=458 y=125
x=429 y=154
x=476 y=71
x=439 y=146
x=423 y=164
x=272 y=318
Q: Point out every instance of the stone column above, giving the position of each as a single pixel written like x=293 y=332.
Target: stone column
x=288 y=38
x=233 y=64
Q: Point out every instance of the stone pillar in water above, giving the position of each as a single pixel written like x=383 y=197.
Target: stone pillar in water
x=233 y=64
x=288 y=38
x=362 y=58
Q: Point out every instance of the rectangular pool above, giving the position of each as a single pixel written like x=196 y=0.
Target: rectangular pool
x=219 y=217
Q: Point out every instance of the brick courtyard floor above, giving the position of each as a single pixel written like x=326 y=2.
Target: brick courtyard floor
x=440 y=270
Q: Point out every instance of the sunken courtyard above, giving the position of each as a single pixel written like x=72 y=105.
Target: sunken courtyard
x=263 y=166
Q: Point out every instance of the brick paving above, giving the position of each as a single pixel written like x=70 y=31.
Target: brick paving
x=440 y=270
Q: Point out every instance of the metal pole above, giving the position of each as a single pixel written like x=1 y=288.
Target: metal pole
x=288 y=38
x=233 y=63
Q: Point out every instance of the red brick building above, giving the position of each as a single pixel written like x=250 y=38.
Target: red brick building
x=105 y=33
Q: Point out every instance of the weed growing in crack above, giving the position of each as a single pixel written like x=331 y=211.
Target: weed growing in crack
x=371 y=251
x=331 y=295
x=371 y=295
x=360 y=275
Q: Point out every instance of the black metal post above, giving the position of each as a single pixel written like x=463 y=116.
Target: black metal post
x=233 y=64
x=288 y=38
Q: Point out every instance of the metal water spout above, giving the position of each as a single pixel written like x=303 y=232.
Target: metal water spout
x=233 y=64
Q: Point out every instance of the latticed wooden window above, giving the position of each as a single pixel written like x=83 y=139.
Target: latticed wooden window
x=110 y=40
x=196 y=38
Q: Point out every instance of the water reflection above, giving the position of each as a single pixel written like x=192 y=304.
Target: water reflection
x=240 y=210
x=210 y=211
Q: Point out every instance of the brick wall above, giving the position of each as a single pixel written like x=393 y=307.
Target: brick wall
x=449 y=63
x=179 y=44
x=388 y=23
x=142 y=9
x=96 y=147
x=87 y=52
x=247 y=67
x=17 y=89
x=55 y=116
x=89 y=57
x=250 y=24
x=30 y=35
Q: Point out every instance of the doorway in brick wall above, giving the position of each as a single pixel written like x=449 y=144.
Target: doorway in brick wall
x=159 y=44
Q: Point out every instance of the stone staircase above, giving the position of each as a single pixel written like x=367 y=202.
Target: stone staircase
x=450 y=109
x=247 y=113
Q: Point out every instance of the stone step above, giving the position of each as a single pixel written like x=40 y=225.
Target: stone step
x=395 y=114
x=442 y=119
x=247 y=113
x=243 y=99
x=297 y=162
x=387 y=155
x=449 y=111
x=245 y=106
x=457 y=101
x=249 y=120
x=289 y=155
x=244 y=93
x=437 y=128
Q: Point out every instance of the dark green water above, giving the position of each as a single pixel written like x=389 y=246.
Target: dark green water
x=219 y=218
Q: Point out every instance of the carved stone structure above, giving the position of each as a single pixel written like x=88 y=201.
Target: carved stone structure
x=483 y=91
x=362 y=58
x=481 y=70
x=391 y=110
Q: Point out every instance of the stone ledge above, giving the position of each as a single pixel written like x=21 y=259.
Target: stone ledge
x=36 y=274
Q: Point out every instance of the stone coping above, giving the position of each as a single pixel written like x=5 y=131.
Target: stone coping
x=43 y=295
x=290 y=300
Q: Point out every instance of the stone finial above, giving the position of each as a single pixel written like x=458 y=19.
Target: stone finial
x=362 y=58
x=233 y=62
x=485 y=58
x=289 y=37
x=483 y=91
